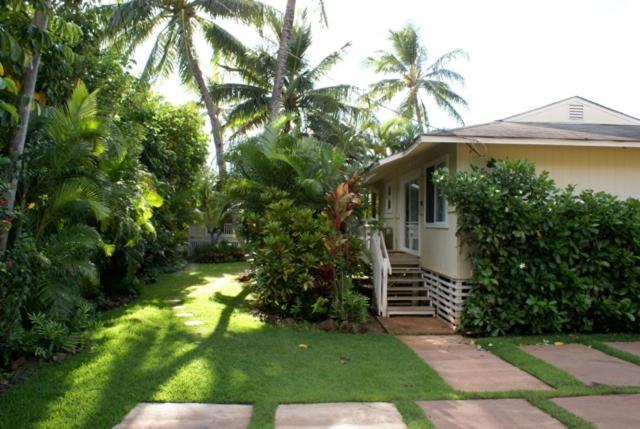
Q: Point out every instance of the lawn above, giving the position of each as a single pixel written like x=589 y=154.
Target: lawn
x=145 y=352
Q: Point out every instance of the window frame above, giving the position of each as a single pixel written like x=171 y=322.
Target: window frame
x=388 y=199
x=444 y=224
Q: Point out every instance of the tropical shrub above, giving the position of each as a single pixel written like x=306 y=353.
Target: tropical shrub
x=289 y=258
x=545 y=259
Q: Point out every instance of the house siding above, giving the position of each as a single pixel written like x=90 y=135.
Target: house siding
x=438 y=245
x=613 y=170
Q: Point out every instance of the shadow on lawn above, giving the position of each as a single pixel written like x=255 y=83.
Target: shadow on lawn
x=151 y=357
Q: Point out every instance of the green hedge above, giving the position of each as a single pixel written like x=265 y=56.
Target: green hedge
x=545 y=259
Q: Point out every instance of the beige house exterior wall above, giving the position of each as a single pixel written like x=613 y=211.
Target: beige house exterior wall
x=614 y=170
x=438 y=244
x=610 y=169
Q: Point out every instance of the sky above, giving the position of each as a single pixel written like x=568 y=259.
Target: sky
x=523 y=54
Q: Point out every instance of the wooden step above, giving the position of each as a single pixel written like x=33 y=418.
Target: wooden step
x=420 y=310
x=406 y=270
x=404 y=280
x=409 y=298
x=406 y=289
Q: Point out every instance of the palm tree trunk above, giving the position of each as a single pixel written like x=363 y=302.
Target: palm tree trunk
x=418 y=115
x=281 y=61
x=213 y=113
x=16 y=145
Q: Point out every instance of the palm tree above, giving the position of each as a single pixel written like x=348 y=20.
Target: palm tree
x=281 y=58
x=178 y=23
x=412 y=75
x=307 y=108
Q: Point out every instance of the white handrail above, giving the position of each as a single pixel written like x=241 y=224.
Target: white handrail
x=381 y=266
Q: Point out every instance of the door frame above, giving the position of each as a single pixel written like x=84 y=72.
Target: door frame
x=403 y=213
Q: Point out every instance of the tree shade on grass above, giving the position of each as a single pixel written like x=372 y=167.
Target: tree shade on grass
x=145 y=352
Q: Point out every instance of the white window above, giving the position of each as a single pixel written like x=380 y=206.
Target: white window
x=436 y=203
x=388 y=205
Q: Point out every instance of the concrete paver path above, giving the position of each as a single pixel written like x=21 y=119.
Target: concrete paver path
x=466 y=367
x=606 y=412
x=632 y=347
x=487 y=414
x=588 y=365
x=340 y=415
x=187 y=416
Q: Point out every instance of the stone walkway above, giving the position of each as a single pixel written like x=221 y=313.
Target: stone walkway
x=632 y=347
x=606 y=412
x=588 y=365
x=187 y=416
x=341 y=415
x=487 y=414
x=468 y=368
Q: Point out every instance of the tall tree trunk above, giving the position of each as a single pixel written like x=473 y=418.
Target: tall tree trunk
x=16 y=145
x=212 y=112
x=281 y=61
x=416 y=105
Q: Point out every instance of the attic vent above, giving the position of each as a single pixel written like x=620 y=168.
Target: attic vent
x=576 y=112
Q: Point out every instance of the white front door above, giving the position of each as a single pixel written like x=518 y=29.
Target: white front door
x=411 y=227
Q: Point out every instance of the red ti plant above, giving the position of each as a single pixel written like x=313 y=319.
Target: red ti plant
x=341 y=204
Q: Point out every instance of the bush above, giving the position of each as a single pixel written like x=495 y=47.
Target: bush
x=288 y=254
x=348 y=305
x=216 y=253
x=545 y=259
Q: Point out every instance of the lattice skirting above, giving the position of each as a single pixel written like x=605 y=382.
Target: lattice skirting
x=448 y=296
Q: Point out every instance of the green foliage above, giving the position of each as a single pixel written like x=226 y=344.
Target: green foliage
x=310 y=109
x=304 y=167
x=285 y=243
x=412 y=75
x=545 y=259
x=217 y=253
x=348 y=305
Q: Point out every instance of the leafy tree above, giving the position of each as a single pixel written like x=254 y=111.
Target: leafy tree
x=174 y=150
x=179 y=22
x=412 y=75
x=308 y=108
x=26 y=39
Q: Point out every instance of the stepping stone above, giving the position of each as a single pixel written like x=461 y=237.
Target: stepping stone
x=179 y=307
x=174 y=301
x=187 y=416
x=345 y=415
x=194 y=322
x=466 y=367
x=487 y=414
x=184 y=314
x=632 y=347
x=606 y=412
x=588 y=365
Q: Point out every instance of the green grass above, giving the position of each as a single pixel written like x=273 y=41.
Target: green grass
x=144 y=352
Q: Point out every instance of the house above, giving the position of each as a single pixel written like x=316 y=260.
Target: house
x=419 y=265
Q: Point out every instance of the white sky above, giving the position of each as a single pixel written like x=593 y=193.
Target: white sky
x=523 y=54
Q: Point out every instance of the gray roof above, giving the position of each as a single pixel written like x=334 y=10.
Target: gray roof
x=545 y=130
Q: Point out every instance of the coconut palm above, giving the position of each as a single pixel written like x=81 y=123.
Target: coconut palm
x=308 y=108
x=281 y=58
x=414 y=77
x=175 y=25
